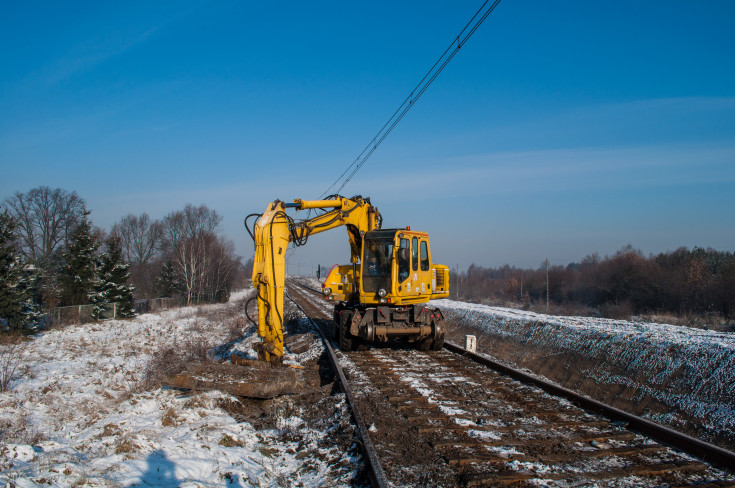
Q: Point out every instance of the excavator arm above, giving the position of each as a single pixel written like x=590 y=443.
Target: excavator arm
x=274 y=231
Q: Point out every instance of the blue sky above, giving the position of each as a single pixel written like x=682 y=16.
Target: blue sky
x=560 y=129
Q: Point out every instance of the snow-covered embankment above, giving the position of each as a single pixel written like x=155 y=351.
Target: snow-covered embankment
x=680 y=376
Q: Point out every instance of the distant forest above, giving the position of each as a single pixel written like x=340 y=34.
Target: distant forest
x=689 y=284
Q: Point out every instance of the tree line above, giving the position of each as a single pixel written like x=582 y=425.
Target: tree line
x=683 y=282
x=52 y=255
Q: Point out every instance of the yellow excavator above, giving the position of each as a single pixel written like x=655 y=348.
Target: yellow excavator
x=380 y=296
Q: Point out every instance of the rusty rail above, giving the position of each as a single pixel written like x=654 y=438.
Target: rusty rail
x=376 y=473
x=712 y=454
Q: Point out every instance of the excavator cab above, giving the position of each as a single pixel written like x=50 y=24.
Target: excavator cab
x=395 y=269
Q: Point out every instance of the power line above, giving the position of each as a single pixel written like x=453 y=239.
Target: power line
x=415 y=94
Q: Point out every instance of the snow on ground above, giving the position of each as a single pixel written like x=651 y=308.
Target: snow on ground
x=692 y=370
x=80 y=412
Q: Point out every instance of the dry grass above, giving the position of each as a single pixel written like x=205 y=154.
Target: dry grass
x=196 y=401
x=20 y=430
x=711 y=322
x=11 y=358
x=11 y=338
x=197 y=343
x=229 y=441
x=169 y=359
x=125 y=446
x=236 y=328
x=229 y=318
x=110 y=430
x=170 y=418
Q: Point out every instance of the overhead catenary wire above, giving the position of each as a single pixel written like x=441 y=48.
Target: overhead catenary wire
x=456 y=44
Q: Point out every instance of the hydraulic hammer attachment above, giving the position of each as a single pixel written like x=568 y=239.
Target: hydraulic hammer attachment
x=269 y=276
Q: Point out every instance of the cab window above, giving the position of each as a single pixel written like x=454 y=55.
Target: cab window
x=424 y=256
x=404 y=264
x=415 y=254
x=376 y=263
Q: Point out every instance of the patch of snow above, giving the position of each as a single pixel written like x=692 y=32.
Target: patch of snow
x=504 y=451
x=451 y=411
x=516 y=465
x=485 y=435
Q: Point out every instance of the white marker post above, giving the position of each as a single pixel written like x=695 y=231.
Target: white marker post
x=470 y=343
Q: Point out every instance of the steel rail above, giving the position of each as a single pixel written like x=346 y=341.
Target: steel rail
x=376 y=473
x=712 y=454
x=314 y=290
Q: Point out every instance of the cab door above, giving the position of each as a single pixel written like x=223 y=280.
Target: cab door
x=413 y=271
x=415 y=281
x=423 y=266
x=403 y=263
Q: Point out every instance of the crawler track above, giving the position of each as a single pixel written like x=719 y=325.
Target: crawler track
x=440 y=418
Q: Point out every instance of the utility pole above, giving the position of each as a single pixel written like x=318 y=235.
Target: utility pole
x=457 y=281
x=547 y=285
x=521 y=286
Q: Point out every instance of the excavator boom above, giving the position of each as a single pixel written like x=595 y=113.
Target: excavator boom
x=274 y=231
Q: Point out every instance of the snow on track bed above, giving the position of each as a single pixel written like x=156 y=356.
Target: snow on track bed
x=405 y=459
x=80 y=413
x=678 y=376
x=489 y=429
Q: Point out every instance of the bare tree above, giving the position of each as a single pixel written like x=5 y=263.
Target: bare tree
x=221 y=268
x=187 y=261
x=206 y=266
x=200 y=219
x=185 y=224
x=173 y=232
x=139 y=236
x=45 y=218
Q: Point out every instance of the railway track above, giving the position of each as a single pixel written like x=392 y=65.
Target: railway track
x=442 y=419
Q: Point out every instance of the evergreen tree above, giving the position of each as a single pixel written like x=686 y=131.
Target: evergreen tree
x=167 y=284
x=29 y=287
x=78 y=274
x=111 y=285
x=12 y=296
x=48 y=284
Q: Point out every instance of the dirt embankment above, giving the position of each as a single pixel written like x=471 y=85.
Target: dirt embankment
x=677 y=376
